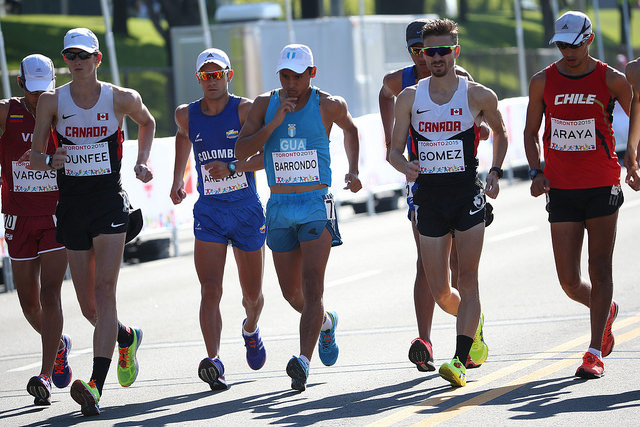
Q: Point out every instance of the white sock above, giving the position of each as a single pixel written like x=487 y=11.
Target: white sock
x=248 y=334
x=595 y=352
x=327 y=324
x=304 y=360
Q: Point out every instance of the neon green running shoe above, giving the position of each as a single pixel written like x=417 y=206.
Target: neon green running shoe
x=127 y=362
x=87 y=395
x=479 y=349
x=454 y=372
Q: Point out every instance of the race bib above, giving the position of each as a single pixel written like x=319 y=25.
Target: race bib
x=213 y=186
x=573 y=135
x=294 y=167
x=441 y=156
x=32 y=181
x=10 y=222
x=88 y=159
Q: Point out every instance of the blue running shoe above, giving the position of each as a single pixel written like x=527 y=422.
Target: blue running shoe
x=299 y=372
x=40 y=388
x=61 y=370
x=211 y=371
x=256 y=354
x=327 y=346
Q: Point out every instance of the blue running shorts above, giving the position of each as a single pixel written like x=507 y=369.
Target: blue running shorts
x=300 y=217
x=242 y=226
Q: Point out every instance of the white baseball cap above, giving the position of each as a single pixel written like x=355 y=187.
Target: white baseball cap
x=37 y=73
x=81 y=38
x=295 y=57
x=214 y=55
x=572 y=28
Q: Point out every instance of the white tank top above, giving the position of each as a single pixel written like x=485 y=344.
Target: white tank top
x=438 y=122
x=85 y=126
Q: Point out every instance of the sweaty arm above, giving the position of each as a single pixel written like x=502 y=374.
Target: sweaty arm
x=632 y=72
x=402 y=115
x=485 y=102
x=129 y=102
x=183 y=149
x=334 y=110
x=255 y=132
x=391 y=87
x=535 y=111
x=46 y=115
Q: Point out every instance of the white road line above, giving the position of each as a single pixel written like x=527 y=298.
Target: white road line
x=511 y=234
x=353 y=278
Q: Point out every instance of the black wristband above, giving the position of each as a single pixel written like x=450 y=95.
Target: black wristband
x=497 y=170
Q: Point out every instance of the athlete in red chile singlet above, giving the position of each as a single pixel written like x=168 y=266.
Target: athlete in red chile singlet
x=581 y=175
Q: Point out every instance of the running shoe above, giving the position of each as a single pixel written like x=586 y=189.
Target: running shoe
x=607 y=339
x=40 y=388
x=479 y=349
x=61 y=370
x=127 y=362
x=454 y=372
x=327 y=346
x=256 y=354
x=299 y=372
x=421 y=354
x=211 y=371
x=87 y=395
x=592 y=367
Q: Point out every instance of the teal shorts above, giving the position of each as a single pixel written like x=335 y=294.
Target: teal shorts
x=300 y=217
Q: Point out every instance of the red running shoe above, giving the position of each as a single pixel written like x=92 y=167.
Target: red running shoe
x=421 y=354
x=592 y=367
x=607 y=339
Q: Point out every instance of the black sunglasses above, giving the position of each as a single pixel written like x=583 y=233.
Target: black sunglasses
x=82 y=55
x=563 y=45
x=431 y=51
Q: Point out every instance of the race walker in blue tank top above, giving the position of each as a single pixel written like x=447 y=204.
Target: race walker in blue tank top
x=214 y=138
x=293 y=160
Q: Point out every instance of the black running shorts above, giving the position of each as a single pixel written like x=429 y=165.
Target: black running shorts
x=444 y=209
x=80 y=220
x=582 y=204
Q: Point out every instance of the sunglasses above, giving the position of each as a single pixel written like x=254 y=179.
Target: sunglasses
x=563 y=45
x=215 y=75
x=82 y=55
x=431 y=51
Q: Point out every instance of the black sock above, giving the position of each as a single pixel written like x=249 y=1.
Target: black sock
x=125 y=336
x=100 y=369
x=463 y=346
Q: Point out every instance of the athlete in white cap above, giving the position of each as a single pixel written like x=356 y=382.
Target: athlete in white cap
x=29 y=202
x=228 y=209
x=291 y=125
x=581 y=175
x=93 y=211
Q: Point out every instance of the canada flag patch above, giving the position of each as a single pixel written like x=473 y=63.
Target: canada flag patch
x=456 y=111
x=103 y=116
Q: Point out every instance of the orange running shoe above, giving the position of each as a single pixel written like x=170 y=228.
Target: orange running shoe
x=421 y=354
x=592 y=367
x=607 y=339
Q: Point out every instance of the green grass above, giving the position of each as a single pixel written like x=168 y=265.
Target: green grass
x=491 y=26
x=143 y=48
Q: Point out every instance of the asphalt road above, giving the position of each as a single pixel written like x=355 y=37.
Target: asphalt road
x=536 y=337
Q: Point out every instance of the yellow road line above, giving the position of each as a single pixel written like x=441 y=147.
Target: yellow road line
x=518 y=382
x=500 y=373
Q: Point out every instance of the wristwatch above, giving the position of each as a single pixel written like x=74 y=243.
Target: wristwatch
x=497 y=170
x=232 y=167
x=48 y=160
x=534 y=172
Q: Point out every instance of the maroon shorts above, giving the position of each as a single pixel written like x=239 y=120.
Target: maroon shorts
x=29 y=236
